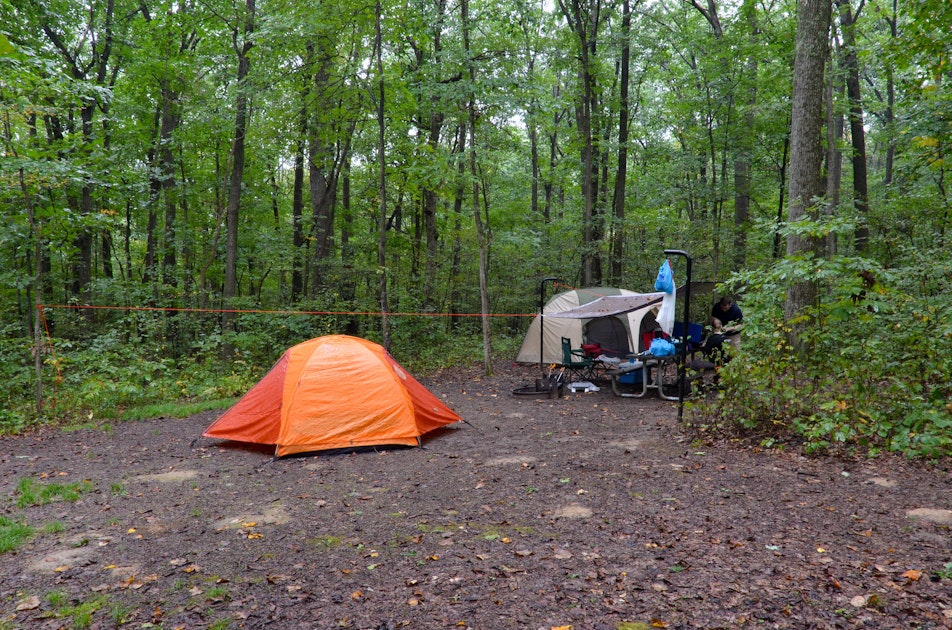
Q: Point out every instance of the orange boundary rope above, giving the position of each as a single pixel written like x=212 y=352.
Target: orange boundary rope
x=221 y=310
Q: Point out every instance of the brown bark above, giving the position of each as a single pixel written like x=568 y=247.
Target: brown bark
x=621 y=174
x=242 y=48
x=806 y=152
x=857 y=131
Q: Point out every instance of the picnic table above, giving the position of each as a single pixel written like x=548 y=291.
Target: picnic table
x=652 y=370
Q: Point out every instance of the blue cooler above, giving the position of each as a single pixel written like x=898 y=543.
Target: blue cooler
x=630 y=378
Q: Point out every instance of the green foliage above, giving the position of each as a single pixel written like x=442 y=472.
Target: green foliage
x=944 y=573
x=31 y=492
x=79 y=613
x=175 y=409
x=877 y=369
x=13 y=534
x=17 y=382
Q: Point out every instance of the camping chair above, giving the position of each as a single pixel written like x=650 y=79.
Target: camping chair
x=577 y=362
x=695 y=333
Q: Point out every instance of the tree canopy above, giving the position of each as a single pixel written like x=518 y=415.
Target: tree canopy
x=200 y=171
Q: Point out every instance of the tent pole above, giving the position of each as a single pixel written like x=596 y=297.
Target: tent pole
x=684 y=327
x=542 y=324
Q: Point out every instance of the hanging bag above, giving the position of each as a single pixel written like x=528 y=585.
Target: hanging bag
x=665 y=284
x=665 y=279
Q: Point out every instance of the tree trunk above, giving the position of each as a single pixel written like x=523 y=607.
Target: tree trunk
x=834 y=154
x=171 y=118
x=857 y=131
x=806 y=152
x=481 y=238
x=584 y=22
x=382 y=185
x=889 y=114
x=230 y=289
x=742 y=159
x=457 y=257
x=621 y=174
x=297 y=212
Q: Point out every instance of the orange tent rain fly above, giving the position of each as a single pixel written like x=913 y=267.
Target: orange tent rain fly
x=333 y=392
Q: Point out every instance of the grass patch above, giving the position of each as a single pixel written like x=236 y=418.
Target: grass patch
x=81 y=614
x=53 y=527
x=120 y=614
x=13 y=534
x=33 y=493
x=323 y=543
x=175 y=410
x=217 y=594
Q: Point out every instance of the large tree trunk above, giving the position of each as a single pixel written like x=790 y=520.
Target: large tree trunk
x=434 y=117
x=617 y=264
x=583 y=17
x=806 y=151
x=322 y=173
x=330 y=137
x=230 y=289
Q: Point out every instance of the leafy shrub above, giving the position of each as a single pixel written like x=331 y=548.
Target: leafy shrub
x=875 y=371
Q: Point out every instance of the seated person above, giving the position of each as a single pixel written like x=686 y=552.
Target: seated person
x=713 y=345
x=728 y=314
x=713 y=350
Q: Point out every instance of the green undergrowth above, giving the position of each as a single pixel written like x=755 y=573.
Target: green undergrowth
x=175 y=410
x=874 y=372
x=135 y=371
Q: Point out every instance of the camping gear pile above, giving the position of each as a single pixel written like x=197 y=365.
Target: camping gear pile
x=617 y=334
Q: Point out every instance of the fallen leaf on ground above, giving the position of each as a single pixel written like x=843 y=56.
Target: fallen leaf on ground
x=29 y=603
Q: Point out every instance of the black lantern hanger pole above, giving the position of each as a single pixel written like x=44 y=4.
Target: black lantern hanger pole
x=684 y=328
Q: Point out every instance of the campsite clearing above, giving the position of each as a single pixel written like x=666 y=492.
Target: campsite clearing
x=587 y=512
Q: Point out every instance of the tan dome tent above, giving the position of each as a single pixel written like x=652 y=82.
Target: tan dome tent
x=618 y=334
x=333 y=392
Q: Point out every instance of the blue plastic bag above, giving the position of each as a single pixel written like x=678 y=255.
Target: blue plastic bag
x=665 y=279
x=661 y=348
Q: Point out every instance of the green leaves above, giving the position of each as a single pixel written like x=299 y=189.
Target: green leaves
x=878 y=368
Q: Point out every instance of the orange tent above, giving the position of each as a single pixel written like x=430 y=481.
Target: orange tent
x=333 y=392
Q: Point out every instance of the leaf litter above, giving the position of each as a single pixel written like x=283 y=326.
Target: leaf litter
x=584 y=512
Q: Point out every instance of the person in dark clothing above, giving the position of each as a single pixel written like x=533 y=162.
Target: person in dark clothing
x=704 y=370
x=713 y=345
x=727 y=312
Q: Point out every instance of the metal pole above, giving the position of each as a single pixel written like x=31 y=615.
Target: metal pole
x=542 y=324
x=684 y=328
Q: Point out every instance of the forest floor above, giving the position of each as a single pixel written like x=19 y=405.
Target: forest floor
x=588 y=512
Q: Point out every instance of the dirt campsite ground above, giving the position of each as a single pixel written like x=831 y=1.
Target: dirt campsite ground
x=585 y=512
